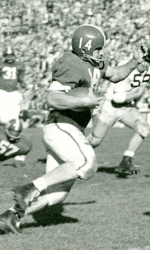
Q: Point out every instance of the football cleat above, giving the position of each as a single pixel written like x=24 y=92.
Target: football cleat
x=9 y=222
x=126 y=166
x=24 y=195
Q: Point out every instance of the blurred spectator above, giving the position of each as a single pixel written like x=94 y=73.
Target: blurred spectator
x=50 y=6
x=49 y=17
x=44 y=28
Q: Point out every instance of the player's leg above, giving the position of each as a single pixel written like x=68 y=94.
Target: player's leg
x=50 y=197
x=57 y=193
x=10 y=219
x=15 y=104
x=76 y=151
x=71 y=146
x=135 y=120
x=4 y=107
x=53 y=195
x=98 y=132
x=102 y=119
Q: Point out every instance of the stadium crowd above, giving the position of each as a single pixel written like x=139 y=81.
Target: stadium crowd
x=40 y=32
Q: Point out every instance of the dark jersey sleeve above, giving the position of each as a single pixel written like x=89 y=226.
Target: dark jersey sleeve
x=21 y=73
x=67 y=70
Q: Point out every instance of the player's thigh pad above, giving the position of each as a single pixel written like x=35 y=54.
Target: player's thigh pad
x=69 y=144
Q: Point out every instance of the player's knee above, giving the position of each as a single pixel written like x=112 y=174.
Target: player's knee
x=143 y=128
x=94 y=141
x=148 y=131
x=88 y=168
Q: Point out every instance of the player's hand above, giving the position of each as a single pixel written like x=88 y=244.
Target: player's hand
x=94 y=98
x=141 y=90
x=140 y=53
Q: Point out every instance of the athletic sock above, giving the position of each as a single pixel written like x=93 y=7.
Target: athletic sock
x=129 y=153
x=40 y=184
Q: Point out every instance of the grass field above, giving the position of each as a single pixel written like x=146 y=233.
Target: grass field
x=104 y=213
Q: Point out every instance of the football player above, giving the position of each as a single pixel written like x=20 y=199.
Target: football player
x=70 y=156
x=11 y=82
x=119 y=104
x=12 y=143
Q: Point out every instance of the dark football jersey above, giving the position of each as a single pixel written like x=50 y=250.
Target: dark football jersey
x=10 y=75
x=9 y=150
x=71 y=70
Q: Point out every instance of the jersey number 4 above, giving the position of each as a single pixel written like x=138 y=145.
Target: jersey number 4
x=7 y=149
x=88 y=45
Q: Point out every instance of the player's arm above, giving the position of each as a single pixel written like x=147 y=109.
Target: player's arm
x=134 y=94
x=119 y=73
x=62 y=100
x=21 y=75
x=7 y=150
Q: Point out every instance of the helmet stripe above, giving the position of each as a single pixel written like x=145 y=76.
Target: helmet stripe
x=97 y=29
x=17 y=123
x=9 y=50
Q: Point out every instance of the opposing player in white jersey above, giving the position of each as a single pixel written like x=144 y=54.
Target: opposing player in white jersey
x=119 y=104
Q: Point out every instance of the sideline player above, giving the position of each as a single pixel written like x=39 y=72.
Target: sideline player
x=12 y=143
x=70 y=156
x=11 y=81
x=119 y=104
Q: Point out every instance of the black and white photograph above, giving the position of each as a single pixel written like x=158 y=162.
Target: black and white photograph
x=75 y=125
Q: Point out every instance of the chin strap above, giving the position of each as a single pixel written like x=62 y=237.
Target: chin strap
x=99 y=63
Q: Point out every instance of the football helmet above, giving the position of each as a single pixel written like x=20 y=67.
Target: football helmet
x=49 y=5
x=9 y=54
x=14 y=129
x=85 y=40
